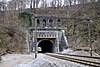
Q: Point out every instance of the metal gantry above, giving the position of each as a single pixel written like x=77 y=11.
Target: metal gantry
x=89 y=34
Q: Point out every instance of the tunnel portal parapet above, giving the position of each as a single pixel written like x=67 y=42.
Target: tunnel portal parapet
x=47 y=30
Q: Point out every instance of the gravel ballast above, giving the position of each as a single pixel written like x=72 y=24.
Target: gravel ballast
x=28 y=60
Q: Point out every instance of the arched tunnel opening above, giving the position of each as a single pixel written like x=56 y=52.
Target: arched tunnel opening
x=46 y=46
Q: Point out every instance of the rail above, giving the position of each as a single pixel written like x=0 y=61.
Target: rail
x=76 y=59
x=93 y=57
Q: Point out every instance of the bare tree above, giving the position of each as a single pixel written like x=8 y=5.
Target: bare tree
x=34 y=4
x=53 y=3
x=65 y=2
x=44 y=3
x=37 y=2
x=2 y=6
x=74 y=1
x=70 y=2
x=59 y=3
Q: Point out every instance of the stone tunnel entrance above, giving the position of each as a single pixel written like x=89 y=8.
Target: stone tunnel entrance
x=46 y=46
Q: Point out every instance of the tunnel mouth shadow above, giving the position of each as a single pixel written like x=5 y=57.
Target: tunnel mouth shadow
x=46 y=46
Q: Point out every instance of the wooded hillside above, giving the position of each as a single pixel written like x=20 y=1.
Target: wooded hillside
x=15 y=18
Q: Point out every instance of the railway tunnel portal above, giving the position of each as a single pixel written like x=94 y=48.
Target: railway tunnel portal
x=47 y=33
x=46 y=45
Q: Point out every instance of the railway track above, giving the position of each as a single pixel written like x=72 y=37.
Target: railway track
x=92 y=57
x=86 y=60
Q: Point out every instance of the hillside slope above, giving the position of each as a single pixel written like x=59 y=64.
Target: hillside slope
x=12 y=35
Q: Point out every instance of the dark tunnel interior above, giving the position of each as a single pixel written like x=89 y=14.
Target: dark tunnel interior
x=46 y=46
